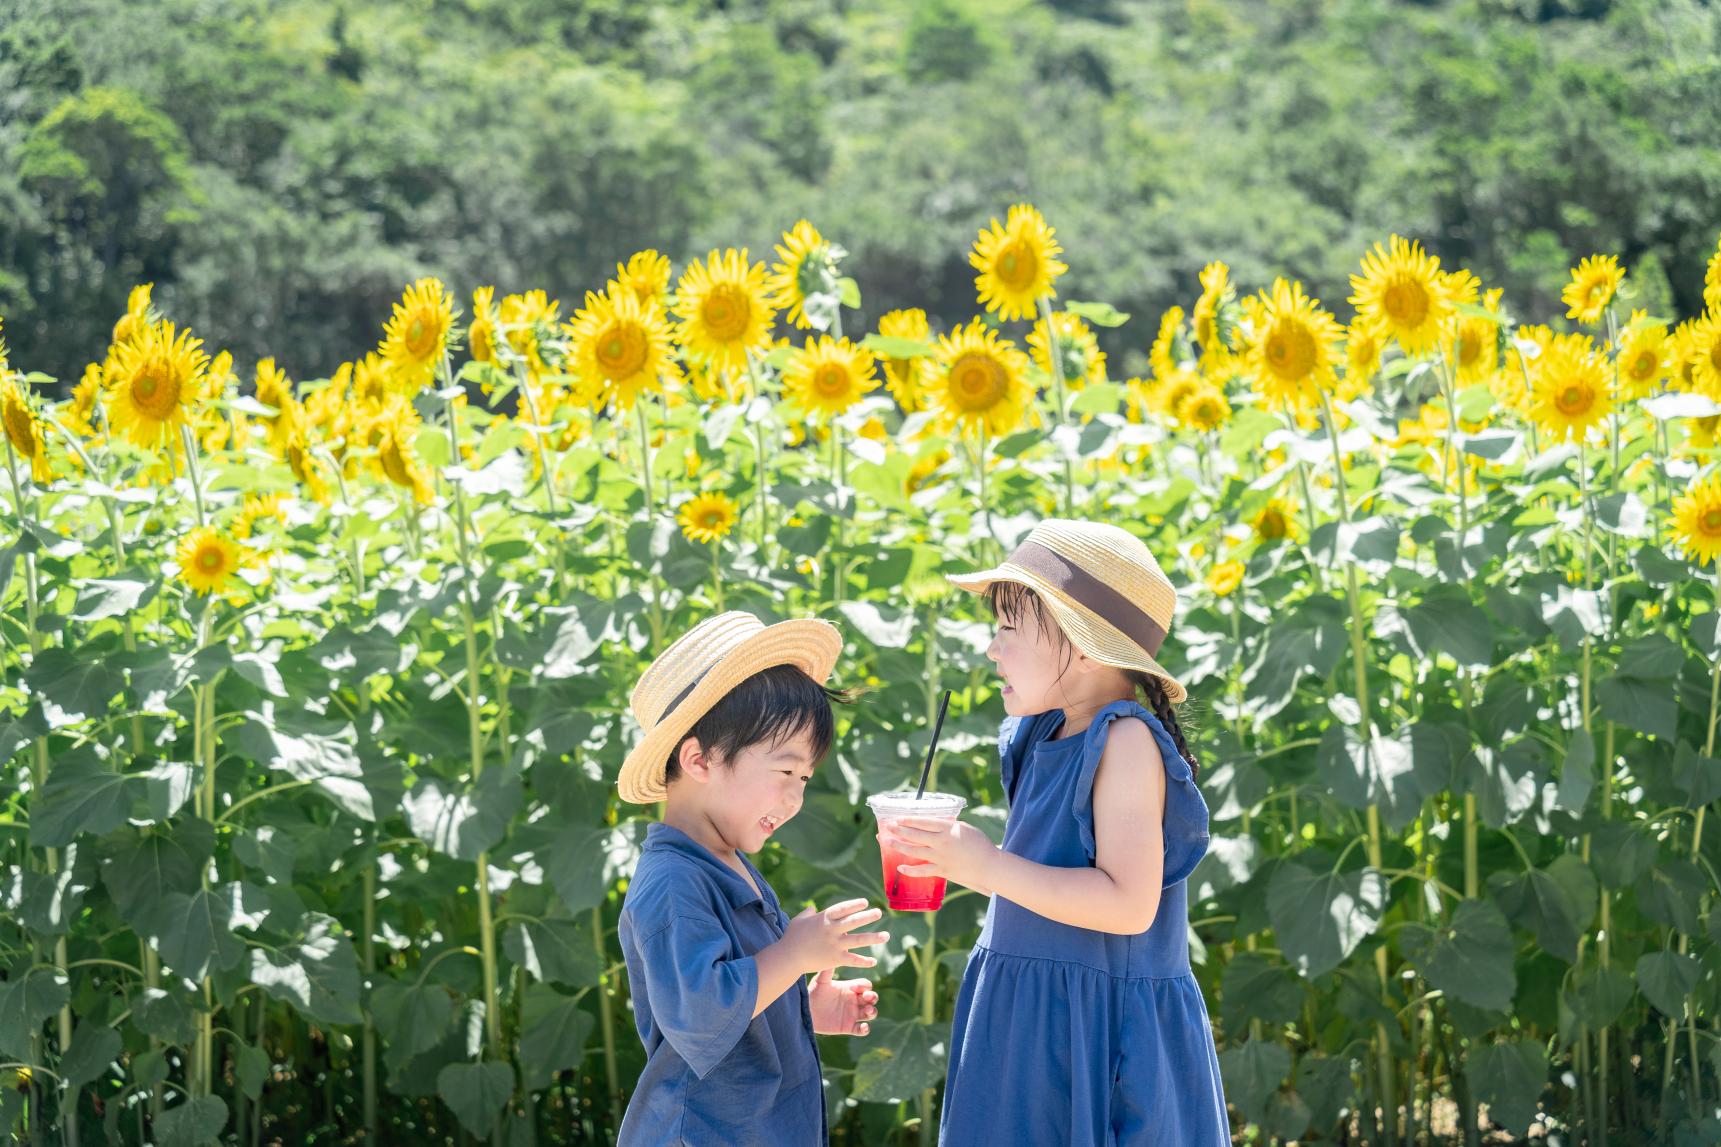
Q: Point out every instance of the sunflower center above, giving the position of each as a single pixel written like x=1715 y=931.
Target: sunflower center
x=1469 y=348
x=155 y=390
x=421 y=337
x=1018 y=266
x=977 y=382
x=1406 y=302
x=1710 y=522
x=209 y=560
x=20 y=429
x=1573 y=399
x=831 y=380
x=1290 y=350
x=1643 y=366
x=711 y=519
x=621 y=350
x=394 y=462
x=725 y=312
x=1272 y=524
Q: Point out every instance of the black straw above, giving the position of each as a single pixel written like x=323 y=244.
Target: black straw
x=926 y=769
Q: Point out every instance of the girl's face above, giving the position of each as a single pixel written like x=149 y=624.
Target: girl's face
x=752 y=796
x=1031 y=658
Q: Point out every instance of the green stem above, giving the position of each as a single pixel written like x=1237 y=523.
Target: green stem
x=1062 y=414
x=606 y=1021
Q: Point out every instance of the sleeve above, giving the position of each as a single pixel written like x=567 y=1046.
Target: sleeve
x=1185 y=810
x=1009 y=731
x=702 y=997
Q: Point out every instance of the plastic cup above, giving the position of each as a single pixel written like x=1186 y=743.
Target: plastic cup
x=912 y=893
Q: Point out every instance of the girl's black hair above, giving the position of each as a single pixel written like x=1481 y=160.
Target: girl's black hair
x=1010 y=600
x=769 y=707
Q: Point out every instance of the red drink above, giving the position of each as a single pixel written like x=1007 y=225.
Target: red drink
x=912 y=893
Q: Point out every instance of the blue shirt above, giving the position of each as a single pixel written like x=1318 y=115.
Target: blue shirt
x=715 y=1074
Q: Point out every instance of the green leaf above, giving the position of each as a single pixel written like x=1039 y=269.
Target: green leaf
x=1252 y=987
x=584 y=863
x=316 y=973
x=1621 y=853
x=412 y=1018
x=165 y=1016
x=83 y=794
x=1448 y=621
x=92 y=1052
x=890 y=346
x=194 y=1123
x=1102 y=398
x=809 y=539
x=886 y=626
x=1649 y=706
x=1507 y=781
x=1597 y=996
x=1252 y=1073
x=27 y=997
x=326 y=756
x=1577 y=774
x=464 y=824
x=476 y=1093
x=903 y=1058
x=578 y=633
x=1099 y=314
x=253 y=1069
x=1667 y=979
x=828 y=832
x=559 y=951
x=100 y=598
x=849 y=292
x=195 y=932
x=1698 y=778
x=1326 y=1085
x=1469 y=957
x=1287 y=1115
x=1398 y=773
x=48 y=902
x=1670 y=894
x=1509 y=1077
x=1321 y=916
x=1019 y=443
x=71 y=688
x=141 y=875
x=556 y=1032
x=1537 y=902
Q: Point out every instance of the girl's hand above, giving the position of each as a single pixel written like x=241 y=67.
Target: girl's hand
x=947 y=848
x=842 y=1007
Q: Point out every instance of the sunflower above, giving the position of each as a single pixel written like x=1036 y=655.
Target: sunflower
x=723 y=308
x=1712 y=280
x=906 y=378
x=807 y=273
x=207 y=559
x=646 y=274
x=713 y=383
x=79 y=413
x=1018 y=263
x=1205 y=409
x=621 y=348
x=1174 y=393
x=155 y=379
x=707 y=517
x=1277 y=521
x=1079 y=353
x=259 y=508
x=136 y=315
x=275 y=389
x=392 y=432
x=979 y=381
x=1166 y=356
x=1697 y=520
x=1702 y=353
x=1225 y=577
x=923 y=470
x=1572 y=390
x=415 y=337
x=1643 y=356
x=24 y=427
x=1474 y=345
x=828 y=376
x=1215 y=291
x=1362 y=357
x=1402 y=294
x=481 y=335
x=1594 y=282
x=1295 y=349
x=525 y=319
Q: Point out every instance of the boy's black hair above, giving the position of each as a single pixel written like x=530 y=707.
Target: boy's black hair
x=1010 y=600
x=767 y=708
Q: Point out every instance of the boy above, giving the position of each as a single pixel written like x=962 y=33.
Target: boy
x=736 y=715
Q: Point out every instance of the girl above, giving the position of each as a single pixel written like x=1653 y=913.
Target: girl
x=1078 y=1020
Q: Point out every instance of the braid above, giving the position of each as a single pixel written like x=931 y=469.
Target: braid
x=1162 y=708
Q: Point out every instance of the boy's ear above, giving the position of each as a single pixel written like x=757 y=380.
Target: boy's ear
x=694 y=761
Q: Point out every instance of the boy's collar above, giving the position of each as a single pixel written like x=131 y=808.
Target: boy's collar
x=735 y=886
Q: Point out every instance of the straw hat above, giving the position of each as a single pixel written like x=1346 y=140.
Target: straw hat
x=703 y=665
x=1103 y=587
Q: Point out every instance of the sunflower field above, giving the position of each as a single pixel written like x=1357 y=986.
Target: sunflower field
x=315 y=690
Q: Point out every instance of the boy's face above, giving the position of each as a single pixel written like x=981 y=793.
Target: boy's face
x=753 y=795
x=1029 y=658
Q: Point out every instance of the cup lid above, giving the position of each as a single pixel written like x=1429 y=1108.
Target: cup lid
x=905 y=803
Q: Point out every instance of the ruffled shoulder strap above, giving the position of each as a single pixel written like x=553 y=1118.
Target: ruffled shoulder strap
x=1185 y=810
x=1016 y=735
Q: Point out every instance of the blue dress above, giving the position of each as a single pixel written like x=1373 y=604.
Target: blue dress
x=1071 y=1036
x=715 y=1075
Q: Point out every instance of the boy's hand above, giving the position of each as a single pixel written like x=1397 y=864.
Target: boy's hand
x=947 y=848
x=842 y=1007
x=824 y=940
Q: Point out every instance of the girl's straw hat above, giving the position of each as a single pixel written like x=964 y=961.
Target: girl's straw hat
x=694 y=673
x=1104 y=588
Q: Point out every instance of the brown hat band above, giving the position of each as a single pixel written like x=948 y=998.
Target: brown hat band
x=1091 y=593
